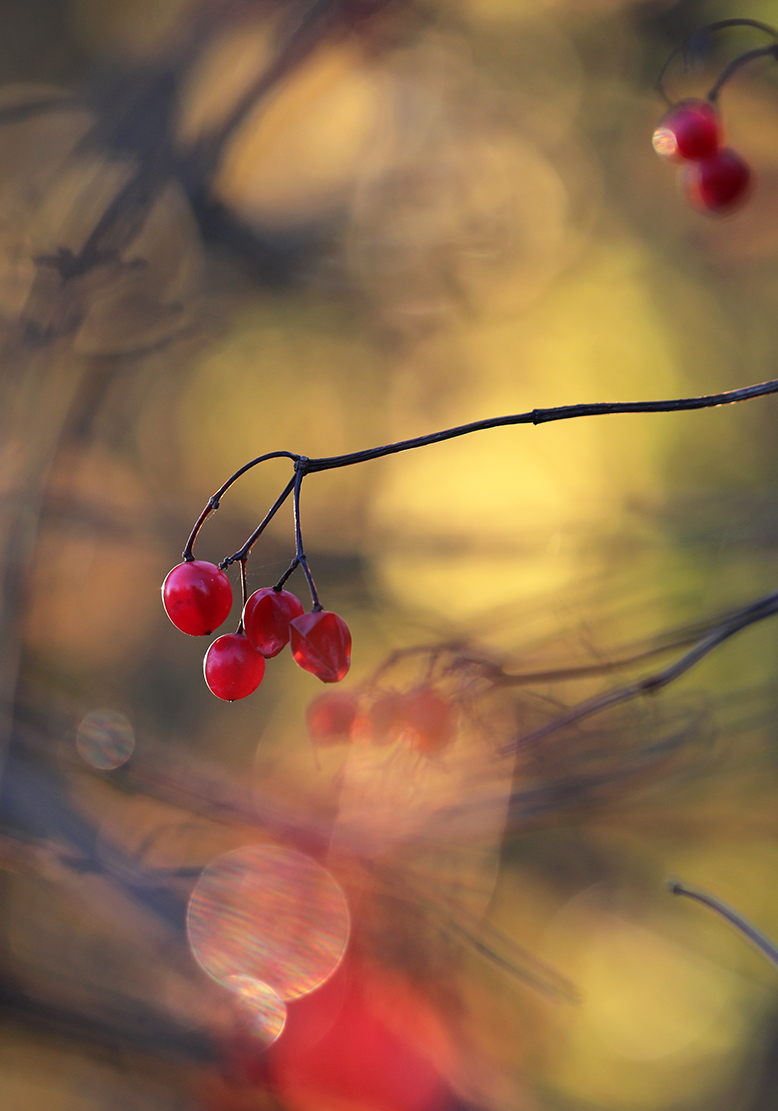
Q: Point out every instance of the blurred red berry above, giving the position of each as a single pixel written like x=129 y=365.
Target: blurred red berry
x=365 y=1041
x=232 y=668
x=266 y=618
x=379 y=724
x=428 y=721
x=718 y=184
x=321 y=644
x=197 y=597
x=689 y=131
x=330 y=717
x=420 y=718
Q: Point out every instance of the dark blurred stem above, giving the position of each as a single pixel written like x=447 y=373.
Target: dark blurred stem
x=761 y=941
x=650 y=684
x=738 y=63
x=304 y=33
x=36 y=398
x=685 y=47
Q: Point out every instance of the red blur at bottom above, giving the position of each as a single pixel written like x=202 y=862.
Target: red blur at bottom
x=365 y=1041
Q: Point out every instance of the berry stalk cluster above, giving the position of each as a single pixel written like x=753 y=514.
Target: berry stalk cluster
x=197 y=597
x=714 y=178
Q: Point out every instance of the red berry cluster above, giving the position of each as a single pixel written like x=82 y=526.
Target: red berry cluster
x=420 y=718
x=197 y=597
x=715 y=178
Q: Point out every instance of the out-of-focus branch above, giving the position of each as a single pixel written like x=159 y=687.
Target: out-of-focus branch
x=650 y=684
x=761 y=941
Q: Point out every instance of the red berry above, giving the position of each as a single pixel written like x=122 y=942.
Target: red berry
x=266 y=618
x=690 y=131
x=330 y=718
x=427 y=721
x=321 y=644
x=420 y=717
x=197 y=597
x=718 y=184
x=379 y=726
x=232 y=668
x=365 y=1041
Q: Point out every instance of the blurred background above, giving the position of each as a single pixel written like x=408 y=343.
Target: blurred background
x=229 y=227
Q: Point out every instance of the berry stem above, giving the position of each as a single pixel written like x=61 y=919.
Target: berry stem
x=300 y=469
x=215 y=499
x=244 y=590
x=755 y=936
x=243 y=553
x=292 y=566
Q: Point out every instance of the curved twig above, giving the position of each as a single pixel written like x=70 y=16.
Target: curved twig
x=684 y=48
x=761 y=941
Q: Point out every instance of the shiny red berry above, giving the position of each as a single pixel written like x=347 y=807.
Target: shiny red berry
x=232 y=668
x=321 y=644
x=266 y=618
x=330 y=717
x=718 y=184
x=197 y=597
x=690 y=131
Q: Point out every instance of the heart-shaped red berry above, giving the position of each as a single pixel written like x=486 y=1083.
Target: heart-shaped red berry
x=321 y=644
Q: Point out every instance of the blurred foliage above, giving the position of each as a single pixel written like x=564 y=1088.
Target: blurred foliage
x=440 y=211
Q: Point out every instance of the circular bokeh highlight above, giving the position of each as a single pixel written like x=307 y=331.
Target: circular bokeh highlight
x=264 y=1007
x=105 y=739
x=271 y=914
